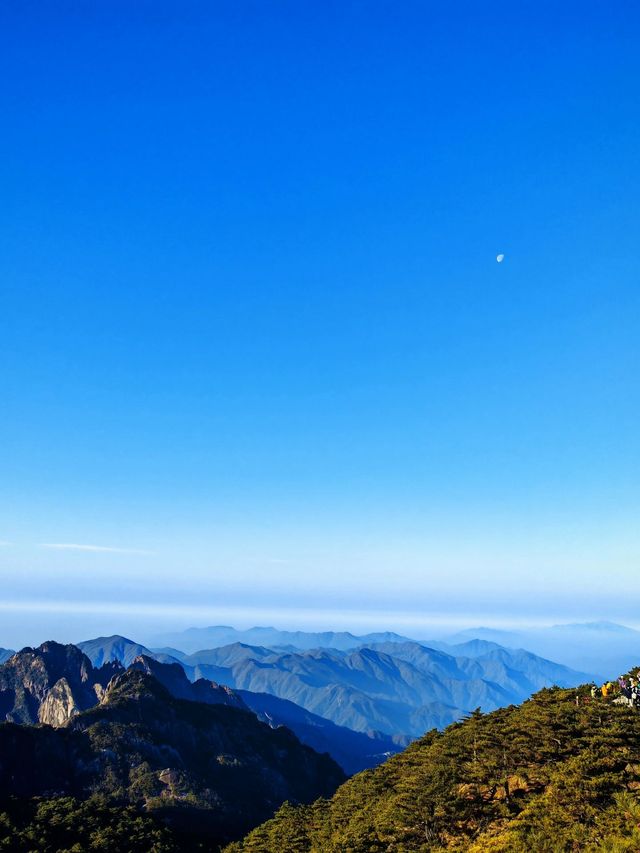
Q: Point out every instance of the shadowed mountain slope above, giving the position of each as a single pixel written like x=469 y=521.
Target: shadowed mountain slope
x=173 y=677
x=353 y=751
x=213 y=767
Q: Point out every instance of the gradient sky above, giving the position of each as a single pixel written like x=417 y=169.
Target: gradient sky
x=255 y=347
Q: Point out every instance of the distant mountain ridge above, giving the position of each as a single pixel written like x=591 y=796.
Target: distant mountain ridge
x=116 y=647
x=195 y=639
x=601 y=626
x=399 y=688
x=600 y=647
x=389 y=691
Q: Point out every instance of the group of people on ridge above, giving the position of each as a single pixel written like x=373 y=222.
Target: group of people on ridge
x=626 y=690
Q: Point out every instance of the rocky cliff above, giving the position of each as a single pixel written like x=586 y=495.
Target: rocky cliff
x=50 y=684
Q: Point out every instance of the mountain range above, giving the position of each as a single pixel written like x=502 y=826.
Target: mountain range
x=194 y=639
x=53 y=683
x=598 y=647
x=353 y=751
x=400 y=688
x=208 y=765
x=177 y=751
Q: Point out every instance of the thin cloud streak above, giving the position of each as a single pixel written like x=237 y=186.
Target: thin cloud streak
x=418 y=623
x=72 y=546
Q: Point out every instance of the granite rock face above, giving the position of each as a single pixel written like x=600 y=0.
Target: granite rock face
x=51 y=684
x=59 y=705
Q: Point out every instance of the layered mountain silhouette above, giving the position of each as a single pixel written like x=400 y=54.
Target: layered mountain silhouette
x=194 y=639
x=53 y=683
x=5 y=654
x=598 y=647
x=353 y=751
x=400 y=687
x=207 y=745
x=213 y=767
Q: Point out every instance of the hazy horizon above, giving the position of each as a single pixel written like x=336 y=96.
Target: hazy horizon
x=30 y=624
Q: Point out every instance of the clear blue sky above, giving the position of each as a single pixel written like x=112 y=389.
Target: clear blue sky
x=253 y=332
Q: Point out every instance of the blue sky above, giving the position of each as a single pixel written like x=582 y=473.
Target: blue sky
x=254 y=341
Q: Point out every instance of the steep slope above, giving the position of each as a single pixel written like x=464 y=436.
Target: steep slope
x=353 y=751
x=214 y=768
x=548 y=775
x=50 y=684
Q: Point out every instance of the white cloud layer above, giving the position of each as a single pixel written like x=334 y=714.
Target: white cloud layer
x=72 y=546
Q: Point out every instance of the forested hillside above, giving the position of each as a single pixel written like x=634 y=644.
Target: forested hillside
x=211 y=769
x=549 y=775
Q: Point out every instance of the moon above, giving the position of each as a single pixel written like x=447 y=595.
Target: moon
x=500 y=258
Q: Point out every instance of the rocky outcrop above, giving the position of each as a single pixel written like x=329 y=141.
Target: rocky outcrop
x=59 y=705
x=54 y=683
x=50 y=684
x=214 y=767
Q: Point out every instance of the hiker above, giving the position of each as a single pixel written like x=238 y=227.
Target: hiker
x=594 y=691
x=604 y=690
